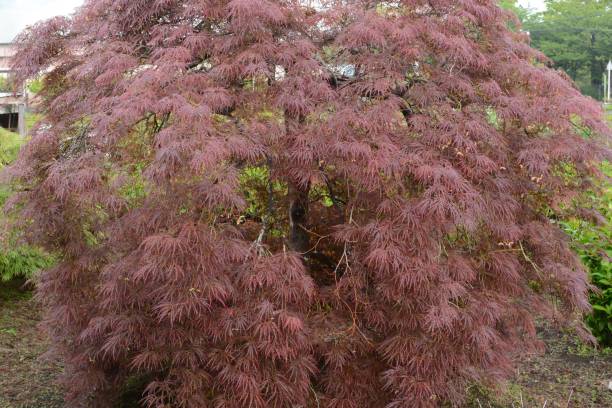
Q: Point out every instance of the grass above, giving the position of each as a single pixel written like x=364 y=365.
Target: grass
x=31 y=120
x=608 y=113
x=10 y=143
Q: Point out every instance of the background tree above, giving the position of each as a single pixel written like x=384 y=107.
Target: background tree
x=513 y=5
x=264 y=204
x=577 y=36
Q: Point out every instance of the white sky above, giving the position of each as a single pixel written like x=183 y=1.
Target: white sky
x=531 y=4
x=15 y=15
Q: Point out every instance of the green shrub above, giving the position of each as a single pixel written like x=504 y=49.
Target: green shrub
x=36 y=85
x=16 y=261
x=22 y=262
x=593 y=243
x=10 y=143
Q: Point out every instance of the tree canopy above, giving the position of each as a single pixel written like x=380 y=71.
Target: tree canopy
x=261 y=203
x=576 y=35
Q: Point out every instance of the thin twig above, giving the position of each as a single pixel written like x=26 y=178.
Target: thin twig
x=528 y=259
x=316 y=397
x=345 y=259
x=266 y=219
x=569 y=398
x=319 y=236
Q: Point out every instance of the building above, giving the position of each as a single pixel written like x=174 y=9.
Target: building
x=12 y=105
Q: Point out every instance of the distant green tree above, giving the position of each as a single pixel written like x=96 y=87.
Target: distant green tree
x=4 y=84
x=513 y=5
x=577 y=36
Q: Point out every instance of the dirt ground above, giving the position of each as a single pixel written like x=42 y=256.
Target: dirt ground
x=26 y=380
x=568 y=375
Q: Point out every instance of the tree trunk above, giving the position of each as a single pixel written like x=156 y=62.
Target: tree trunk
x=299 y=240
x=595 y=65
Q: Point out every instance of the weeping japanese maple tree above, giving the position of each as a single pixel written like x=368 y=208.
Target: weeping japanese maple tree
x=264 y=203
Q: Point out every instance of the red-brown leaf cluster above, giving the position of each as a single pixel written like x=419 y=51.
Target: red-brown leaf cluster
x=411 y=149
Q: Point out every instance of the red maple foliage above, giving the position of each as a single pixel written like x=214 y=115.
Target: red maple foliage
x=268 y=203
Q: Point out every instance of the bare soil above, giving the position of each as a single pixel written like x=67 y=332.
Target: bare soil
x=26 y=379
x=567 y=375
